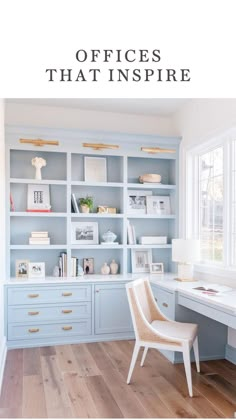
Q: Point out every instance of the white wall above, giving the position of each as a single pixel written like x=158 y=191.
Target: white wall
x=71 y=118
x=196 y=122
x=2 y=237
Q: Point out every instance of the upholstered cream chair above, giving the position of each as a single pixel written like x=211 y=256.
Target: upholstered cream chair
x=154 y=330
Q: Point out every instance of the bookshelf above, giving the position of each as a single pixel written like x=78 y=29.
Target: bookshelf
x=64 y=173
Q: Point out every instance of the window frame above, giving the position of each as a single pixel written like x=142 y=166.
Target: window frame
x=226 y=141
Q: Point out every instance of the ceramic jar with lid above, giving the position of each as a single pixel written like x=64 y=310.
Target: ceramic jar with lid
x=109 y=237
x=105 y=269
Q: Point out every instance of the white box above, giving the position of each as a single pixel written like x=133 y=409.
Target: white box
x=153 y=240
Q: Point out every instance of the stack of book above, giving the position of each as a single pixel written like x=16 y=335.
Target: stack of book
x=39 y=238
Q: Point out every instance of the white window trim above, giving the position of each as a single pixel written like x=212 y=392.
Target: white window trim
x=192 y=200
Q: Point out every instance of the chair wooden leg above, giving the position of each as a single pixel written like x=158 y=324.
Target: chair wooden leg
x=196 y=353
x=187 y=366
x=144 y=356
x=133 y=361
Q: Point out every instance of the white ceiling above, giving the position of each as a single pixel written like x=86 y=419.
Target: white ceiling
x=155 y=107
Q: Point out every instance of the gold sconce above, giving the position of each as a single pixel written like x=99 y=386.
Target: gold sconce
x=157 y=150
x=100 y=146
x=40 y=142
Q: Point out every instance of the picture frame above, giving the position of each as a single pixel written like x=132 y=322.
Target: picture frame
x=36 y=269
x=95 y=169
x=38 y=197
x=88 y=265
x=74 y=204
x=22 y=268
x=158 y=204
x=137 y=201
x=84 y=233
x=141 y=259
x=157 y=268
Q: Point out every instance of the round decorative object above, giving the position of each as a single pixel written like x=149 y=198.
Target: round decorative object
x=105 y=269
x=114 y=267
x=109 y=236
x=38 y=163
x=80 y=271
x=155 y=178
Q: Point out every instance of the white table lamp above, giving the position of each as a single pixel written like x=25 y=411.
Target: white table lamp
x=185 y=252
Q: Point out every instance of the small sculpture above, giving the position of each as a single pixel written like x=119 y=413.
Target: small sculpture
x=105 y=269
x=114 y=267
x=38 y=163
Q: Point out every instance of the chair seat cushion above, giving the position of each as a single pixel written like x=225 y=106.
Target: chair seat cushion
x=180 y=330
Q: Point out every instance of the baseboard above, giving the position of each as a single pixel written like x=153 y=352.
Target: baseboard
x=3 y=355
x=230 y=354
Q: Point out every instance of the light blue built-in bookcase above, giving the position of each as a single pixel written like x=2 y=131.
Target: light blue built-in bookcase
x=64 y=173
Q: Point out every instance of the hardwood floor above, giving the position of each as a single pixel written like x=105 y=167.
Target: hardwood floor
x=89 y=380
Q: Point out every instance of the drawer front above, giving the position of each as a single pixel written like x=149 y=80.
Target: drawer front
x=165 y=301
x=39 y=330
x=40 y=313
x=207 y=310
x=35 y=295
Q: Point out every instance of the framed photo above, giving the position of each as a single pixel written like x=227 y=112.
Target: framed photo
x=137 y=201
x=157 y=204
x=156 y=268
x=141 y=260
x=22 y=268
x=83 y=233
x=95 y=169
x=38 y=197
x=88 y=265
x=37 y=269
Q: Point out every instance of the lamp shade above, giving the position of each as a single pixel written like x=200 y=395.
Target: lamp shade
x=185 y=250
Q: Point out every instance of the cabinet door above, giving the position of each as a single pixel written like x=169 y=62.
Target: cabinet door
x=112 y=313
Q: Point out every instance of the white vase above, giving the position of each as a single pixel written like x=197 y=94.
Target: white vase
x=84 y=209
x=105 y=269
x=114 y=267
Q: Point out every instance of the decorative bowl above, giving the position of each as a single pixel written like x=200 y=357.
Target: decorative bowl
x=109 y=236
x=155 y=178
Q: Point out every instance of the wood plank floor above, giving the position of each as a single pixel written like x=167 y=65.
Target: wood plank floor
x=89 y=380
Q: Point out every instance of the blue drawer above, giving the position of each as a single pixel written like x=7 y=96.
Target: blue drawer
x=40 y=313
x=165 y=301
x=52 y=294
x=34 y=331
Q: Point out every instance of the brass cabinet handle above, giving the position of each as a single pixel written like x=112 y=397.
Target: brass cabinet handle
x=33 y=295
x=33 y=330
x=165 y=305
x=33 y=313
x=66 y=294
x=66 y=311
x=67 y=328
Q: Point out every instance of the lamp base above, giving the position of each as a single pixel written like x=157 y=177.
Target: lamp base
x=185 y=272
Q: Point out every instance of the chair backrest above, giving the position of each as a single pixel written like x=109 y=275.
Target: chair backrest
x=142 y=306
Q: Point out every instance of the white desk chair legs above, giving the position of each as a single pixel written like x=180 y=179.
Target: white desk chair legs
x=154 y=330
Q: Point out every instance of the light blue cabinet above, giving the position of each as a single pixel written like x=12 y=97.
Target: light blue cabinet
x=112 y=313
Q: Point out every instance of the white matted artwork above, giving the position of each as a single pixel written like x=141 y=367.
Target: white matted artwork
x=37 y=269
x=141 y=260
x=137 y=201
x=84 y=233
x=38 y=197
x=158 y=204
x=95 y=169
x=157 y=268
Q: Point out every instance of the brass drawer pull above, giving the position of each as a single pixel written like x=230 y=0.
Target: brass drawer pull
x=165 y=305
x=33 y=330
x=66 y=311
x=33 y=295
x=33 y=313
x=67 y=294
x=67 y=328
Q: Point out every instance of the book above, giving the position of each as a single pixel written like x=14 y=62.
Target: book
x=130 y=234
x=39 y=241
x=153 y=240
x=39 y=210
x=74 y=203
x=39 y=234
x=12 y=207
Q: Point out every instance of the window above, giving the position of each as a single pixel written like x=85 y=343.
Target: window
x=212 y=200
